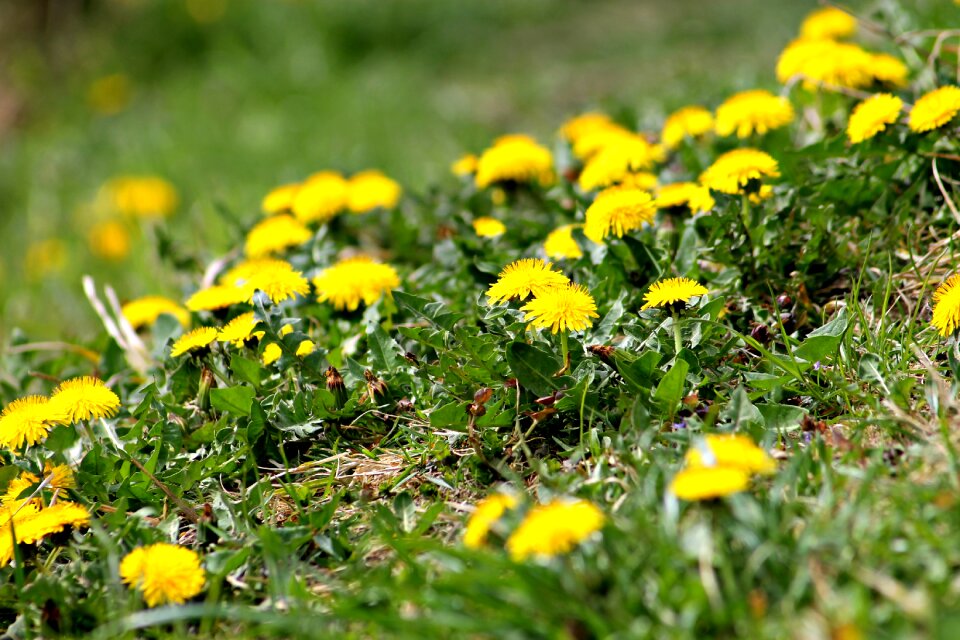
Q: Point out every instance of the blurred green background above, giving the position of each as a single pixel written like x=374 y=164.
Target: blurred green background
x=228 y=98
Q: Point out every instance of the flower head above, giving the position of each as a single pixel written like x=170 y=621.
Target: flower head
x=750 y=112
x=62 y=476
x=271 y=353
x=368 y=190
x=145 y=311
x=352 y=280
x=935 y=109
x=690 y=122
x=488 y=512
x=946 y=308
x=514 y=158
x=465 y=165
x=84 y=398
x=554 y=528
x=487 y=227
x=219 y=296
x=618 y=160
x=888 y=70
x=141 y=196
x=597 y=138
x=671 y=291
x=322 y=196
x=731 y=450
x=277 y=278
x=734 y=170
x=164 y=573
x=280 y=199
x=275 y=234
x=305 y=348
x=828 y=23
x=561 y=244
x=32 y=523
x=618 y=210
x=567 y=307
x=27 y=421
x=839 y=64
x=694 y=196
x=705 y=483
x=193 y=340
x=872 y=116
x=239 y=330
x=109 y=240
x=585 y=124
x=521 y=278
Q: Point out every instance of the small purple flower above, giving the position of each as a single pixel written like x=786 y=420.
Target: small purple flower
x=679 y=425
x=816 y=366
x=807 y=437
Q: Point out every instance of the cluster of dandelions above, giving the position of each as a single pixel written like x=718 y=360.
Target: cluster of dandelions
x=720 y=465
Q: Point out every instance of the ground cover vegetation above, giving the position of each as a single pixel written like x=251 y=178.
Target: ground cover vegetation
x=694 y=381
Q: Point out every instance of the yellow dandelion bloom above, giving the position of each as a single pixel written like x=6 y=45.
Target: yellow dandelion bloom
x=275 y=234
x=164 y=573
x=828 y=62
x=219 y=296
x=321 y=197
x=280 y=199
x=872 y=116
x=828 y=23
x=84 y=398
x=706 y=483
x=617 y=161
x=734 y=170
x=465 y=165
x=730 y=450
x=691 y=195
x=488 y=512
x=369 y=190
x=691 y=122
x=585 y=124
x=305 y=348
x=561 y=244
x=271 y=353
x=748 y=112
x=49 y=520
x=671 y=291
x=946 y=308
x=554 y=528
x=277 y=278
x=193 y=340
x=14 y=497
x=514 y=158
x=567 y=307
x=935 y=109
x=27 y=421
x=142 y=196
x=354 y=280
x=238 y=330
x=765 y=192
x=592 y=142
x=487 y=227
x=640 y=180
x=888 y=70
x=109 y=240
x=145 y=311
x=524 y=277
x=63 y=477
x=616 y=211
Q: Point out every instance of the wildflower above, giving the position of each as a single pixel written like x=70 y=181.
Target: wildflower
x=109 y=240
x=592 y=142
x=239 y=330
x=524 y=277
x=694 y=196
x=465 y=165
x=561 y=244
x=872 y=116
x=819 y=62
x=353 y=280
x=935 y=109
x=671 y=291
x=488 y=512
x=554 y=528
x=193 y=340
x=368 y=190
x=276 y=278
x=828 y=23
x=271 y=353
x=145 y=311
x=734 y=170
x=164 y=573
x=274 y=235
x=888 y=70
x=27 y=421
x=487 y=227
x=705 y=483
x=644 y=180
x=110 y=94
x=567 y=307
x=731 y=450
x=615 y=162
x=31 y=524
x=322 y=196
x=62 y=476
x=142 y=196
x=750 y=112
x=690 y=122
x=765 y=192
x=305 y=348
x=280 y=199
x=616 y=211
x=218 y=296
x=514 y=158
x=45 y=257
x=946 y=308
x=84 y=398
x=585 y=124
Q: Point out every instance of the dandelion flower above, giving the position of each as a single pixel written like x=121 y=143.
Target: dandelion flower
x=731 y=450
x=488 y=512
x=369 y=190
x=27 y=421
x=706 y=483
x=62 y=476
x=145 y=311
x=585 y=124
x=276 y=278
x=592 y=142
x=946 y=308
x=354 y=280
x=888 y=70
x=567 y=307
x=487 y=227
x=872 y=116
x=280 y=199
x=238 y=330
x=465 y=165
x=691 y=122
x=734 y=170
x=616 y=211
x=219 y=296
x=320 y=198
x=275 y=234
x=554 y=528
x=935 y=109
x=271 y=353
x=617 y=161
x=828 y=23
x=514 y=158
x=109 y=240
x=561 y=244
x=164 y=573
x=142 y=196
x=193 y=340
x=694 y=196
x=31 y=524
x=524 y=277
x=671 y=291
x=84 y=398
x=828 y=62
x=12 y=498
x=750 y=112
x=305 y=348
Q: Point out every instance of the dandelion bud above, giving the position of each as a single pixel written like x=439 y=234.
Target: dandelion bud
x=206 y=382
x=335 y=386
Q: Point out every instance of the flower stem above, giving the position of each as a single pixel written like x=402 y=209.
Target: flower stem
x=677 y=336
x=564 y=352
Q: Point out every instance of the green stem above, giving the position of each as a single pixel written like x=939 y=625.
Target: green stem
x=677 y=336
x=564 y=350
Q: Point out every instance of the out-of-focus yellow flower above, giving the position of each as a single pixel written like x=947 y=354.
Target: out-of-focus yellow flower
x=465 y=165
x=888 y=70
x=370 y=190
x=485 y=516
x=554 y=528
x=691 y=195
x=935 y=109
x=616 y=211
x=218 y=296
x=32 y=523
x=671 y=291
x=142 y=196
x=872 y=116
x=560 y=243
x=110 y=94
x=305 y=348
x=354 y=280
x=515 y=158
x=524 y=277
x=61 y=476
x=487 y=227
x=748 y=112
x=838 y=64
x=594 y=140
x=280 y=199
x=277 y=278
x=735 y=170
x=109 y=240
x=828 y=23
x=194 y=341
x=946 y=308
x=584 y=124
x=730 y=450
x=567 y=307
x=274 y=235
x=765 y=192
x=164 y=573
x=45 y=257
x=321 y=197
x=271 y=353
x=706 y=483
x=145 y=311
x=617 y=161
x=693 y=122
